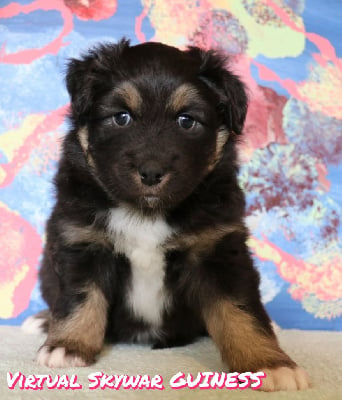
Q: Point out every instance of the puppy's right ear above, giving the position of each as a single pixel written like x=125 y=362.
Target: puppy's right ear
x=90 y=74
x=214 y=71
x=79 y=83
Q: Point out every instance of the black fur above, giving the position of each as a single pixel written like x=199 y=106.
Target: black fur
x=194 y=199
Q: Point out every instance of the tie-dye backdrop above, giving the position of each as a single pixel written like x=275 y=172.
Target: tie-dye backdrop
x=287 y=51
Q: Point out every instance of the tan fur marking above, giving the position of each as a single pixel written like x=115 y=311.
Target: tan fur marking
x=73 y=234
x=204 y=241
x=221 y=140
x=84 y=330
x=83 y=138
x=222 y=137
x=183 y=96
x=243 y=345
x=130 y=95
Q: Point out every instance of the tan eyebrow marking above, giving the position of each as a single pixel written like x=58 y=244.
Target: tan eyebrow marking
x=130 y=94
x=183 y=96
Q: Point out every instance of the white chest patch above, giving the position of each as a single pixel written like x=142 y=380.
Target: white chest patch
x=140 y=239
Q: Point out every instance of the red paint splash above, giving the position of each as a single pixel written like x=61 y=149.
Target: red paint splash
x=265 y=111
x=322 y=171
x=51 y=122
x=264 y=119
x=28 y=56
x=92 y=9
x=207 y=34
x=138 y=24
x=267 y=74
x=21 y=247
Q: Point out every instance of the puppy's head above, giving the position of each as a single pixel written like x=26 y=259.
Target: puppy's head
x=153 y=121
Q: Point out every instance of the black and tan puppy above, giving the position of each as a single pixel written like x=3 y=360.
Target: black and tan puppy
x=147 y=241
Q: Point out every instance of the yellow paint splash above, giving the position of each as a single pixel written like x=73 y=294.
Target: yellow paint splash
x=323 y=90
x=272 y=40
x=264 y=250
x=12 y=140
x=176 y=21
x=7 y=291
x=5 y=207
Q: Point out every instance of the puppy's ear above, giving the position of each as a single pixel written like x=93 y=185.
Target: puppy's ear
x=86 y=75
x=232 y=93
x=79 y=81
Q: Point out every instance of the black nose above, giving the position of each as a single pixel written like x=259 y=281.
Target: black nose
x=151 y=173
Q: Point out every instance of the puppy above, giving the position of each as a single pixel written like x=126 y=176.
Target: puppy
x=147 y=240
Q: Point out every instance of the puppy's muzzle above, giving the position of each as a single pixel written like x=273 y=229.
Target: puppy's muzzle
x=151 y=173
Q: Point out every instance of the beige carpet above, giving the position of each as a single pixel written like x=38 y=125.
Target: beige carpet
x=319 y=352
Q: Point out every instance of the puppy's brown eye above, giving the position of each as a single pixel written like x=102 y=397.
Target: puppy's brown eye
x=185 y=121
x=122 y=118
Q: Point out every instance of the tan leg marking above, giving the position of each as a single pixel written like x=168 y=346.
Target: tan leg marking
x=242 y=343
x=245 y=347
x=76 y=340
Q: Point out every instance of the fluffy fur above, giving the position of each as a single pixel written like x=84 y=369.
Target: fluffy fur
x=147 y=240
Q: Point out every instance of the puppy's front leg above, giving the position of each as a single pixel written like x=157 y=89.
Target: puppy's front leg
x=75 y=340
x=246 y=345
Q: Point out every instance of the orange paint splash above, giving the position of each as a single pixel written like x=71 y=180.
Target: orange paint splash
x=325 y=281
x=27 y=56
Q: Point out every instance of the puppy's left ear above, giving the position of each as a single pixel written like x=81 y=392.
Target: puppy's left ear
x=91 y=74
x=232 y=93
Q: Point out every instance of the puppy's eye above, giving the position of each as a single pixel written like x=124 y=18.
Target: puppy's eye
x=185 y=121
x=122 y=118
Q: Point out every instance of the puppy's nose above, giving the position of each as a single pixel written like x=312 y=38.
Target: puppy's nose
x=151 y=173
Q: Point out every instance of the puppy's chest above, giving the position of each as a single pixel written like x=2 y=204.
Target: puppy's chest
x=140 y=239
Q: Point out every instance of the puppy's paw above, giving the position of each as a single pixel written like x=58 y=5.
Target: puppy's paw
x=57 y=357
x=285 y=378
x=33 y=325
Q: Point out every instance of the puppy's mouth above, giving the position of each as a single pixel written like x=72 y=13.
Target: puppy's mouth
x=151 y=196
x=151 y=201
